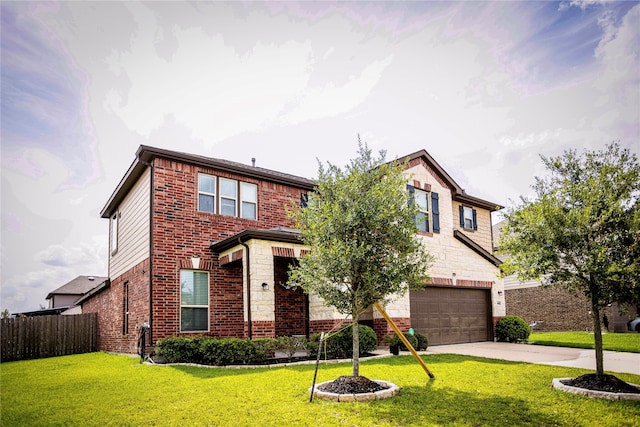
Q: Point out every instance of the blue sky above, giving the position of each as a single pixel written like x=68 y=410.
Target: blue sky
x=484 y=87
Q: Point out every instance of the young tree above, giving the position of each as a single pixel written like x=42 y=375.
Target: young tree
x=361 y=230
x=581 y=231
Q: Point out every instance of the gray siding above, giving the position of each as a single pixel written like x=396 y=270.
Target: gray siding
x=133 y=228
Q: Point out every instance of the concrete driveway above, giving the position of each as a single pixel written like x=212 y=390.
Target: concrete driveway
x=560 y=356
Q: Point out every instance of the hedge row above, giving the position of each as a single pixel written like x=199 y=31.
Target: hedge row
x=216 y=351
x=340 y=345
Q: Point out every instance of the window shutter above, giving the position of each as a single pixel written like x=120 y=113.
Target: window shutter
x=461 y=216
x=435 y=211
x=411 y=189
x=475 y=222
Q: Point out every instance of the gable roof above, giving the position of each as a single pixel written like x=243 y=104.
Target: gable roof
x=458 y=193
x=476 y=248
x=78 y=286
x=146 y=154
x=277 y=234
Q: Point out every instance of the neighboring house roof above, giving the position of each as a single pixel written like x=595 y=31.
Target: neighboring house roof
x=78 y=286
x=43 y=312
x=458 y=193
x=146 y=154
x=102 y=286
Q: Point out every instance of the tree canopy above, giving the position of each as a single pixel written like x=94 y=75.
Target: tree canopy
x=361 y=230
x=581 y=231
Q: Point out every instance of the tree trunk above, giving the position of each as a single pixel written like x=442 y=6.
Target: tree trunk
x=356 y=346
x=597 y=338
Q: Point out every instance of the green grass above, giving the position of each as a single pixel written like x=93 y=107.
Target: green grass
x=629 y=342
x=102 y=389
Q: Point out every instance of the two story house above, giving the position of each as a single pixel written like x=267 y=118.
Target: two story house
x=202 y=246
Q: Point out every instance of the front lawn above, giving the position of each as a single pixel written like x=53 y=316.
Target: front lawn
x=103 y=389
x=613 y=341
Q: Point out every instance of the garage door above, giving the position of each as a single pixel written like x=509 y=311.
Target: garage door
x=451 y=315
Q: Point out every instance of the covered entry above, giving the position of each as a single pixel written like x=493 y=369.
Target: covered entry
x=447 y=315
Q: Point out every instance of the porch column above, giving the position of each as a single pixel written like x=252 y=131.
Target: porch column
x=262 y=299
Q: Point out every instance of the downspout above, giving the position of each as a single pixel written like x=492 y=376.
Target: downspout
x=151 y=206
x=249 y=327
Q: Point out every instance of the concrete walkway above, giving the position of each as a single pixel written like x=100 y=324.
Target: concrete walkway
x=560 y=356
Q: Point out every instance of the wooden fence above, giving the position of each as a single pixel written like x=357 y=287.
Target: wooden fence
x=47 y=336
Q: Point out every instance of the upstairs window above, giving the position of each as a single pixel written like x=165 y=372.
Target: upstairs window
x=206 y=193
x=194 y=301
x=428 y=216
x=114 y=233
x=228 y=196
x=422 y=202
x=249 y=200
x=468 y=218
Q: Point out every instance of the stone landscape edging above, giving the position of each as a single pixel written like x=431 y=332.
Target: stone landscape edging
x=596 y=394
x=387 y=393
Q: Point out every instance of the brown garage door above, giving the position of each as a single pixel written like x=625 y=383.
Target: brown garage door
x=451 y=315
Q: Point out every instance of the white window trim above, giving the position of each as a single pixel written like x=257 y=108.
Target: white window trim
x=206 y=193
x=427 y=213
x=235 y=200
x=242 y=200
x=467 y=210
x=208 y=306
x=114 y=232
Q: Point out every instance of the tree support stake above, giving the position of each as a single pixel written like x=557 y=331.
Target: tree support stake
x=404 y=340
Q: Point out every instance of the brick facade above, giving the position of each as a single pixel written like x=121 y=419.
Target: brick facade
x=556 y=309
x=382 y=328
x=110 y=306
x=181 y=230
x=291 y=305
x=177 y=231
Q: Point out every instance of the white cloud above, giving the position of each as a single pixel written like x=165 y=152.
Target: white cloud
x=332 y=100
x=619 y=54
x=60 y=256
x=25 y=292
x=208 y=86
x=583 y=4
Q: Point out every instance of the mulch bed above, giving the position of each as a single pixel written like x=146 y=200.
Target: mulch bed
x=604 y=382
x=351 y=385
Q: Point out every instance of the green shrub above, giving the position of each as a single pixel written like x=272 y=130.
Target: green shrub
x=340 y=345
x=215 y=351
x=412 y=340
x=290 y=345
x=179 y=349
x=512 y=329
x=423 y=343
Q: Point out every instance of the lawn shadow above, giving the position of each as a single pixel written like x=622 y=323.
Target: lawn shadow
x=440 y=359
x=207 y=372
